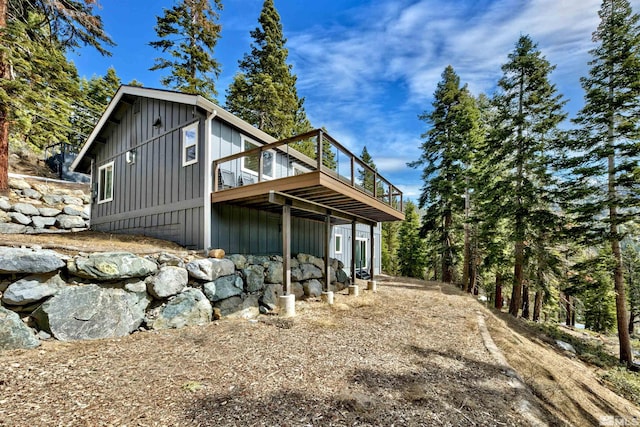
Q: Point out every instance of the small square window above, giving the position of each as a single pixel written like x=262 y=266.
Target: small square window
x=105 y=183
x=190 y=145
x=338 y=243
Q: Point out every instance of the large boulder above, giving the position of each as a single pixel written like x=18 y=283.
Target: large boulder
x=312 y=288
x=272 y=293
x=111 y=266
x=89 y=312
x=229 y=305
x=226 y=287
x=19 y=260
x=19 y=184
x=310 y=259
x=210 y=269
x=248 y=309
x=222 y=267
x=254 y=276
x=14 y=333
x=188 y=308
x=20 y=218
x=42 y=221
x=26 y=209
x=49 y=212
x=341 y=276
x=10 y=228
x=240 y=261
x=167 y=282
x=70 y=221
x=33 y=288
x=273 y=272
x=310 y=271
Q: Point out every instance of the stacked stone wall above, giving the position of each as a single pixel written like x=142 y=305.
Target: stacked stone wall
x=45 y=294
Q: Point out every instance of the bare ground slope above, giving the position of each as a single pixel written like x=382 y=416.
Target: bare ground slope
x=409 y=355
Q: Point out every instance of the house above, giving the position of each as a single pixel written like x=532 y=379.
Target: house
x=179 y=167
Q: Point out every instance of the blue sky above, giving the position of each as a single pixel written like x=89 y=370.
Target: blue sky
x=368 y=68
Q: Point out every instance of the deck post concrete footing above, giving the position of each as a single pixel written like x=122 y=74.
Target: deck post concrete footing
x=372 y=285
x=328 y=297
x=354 y=290
x=287 y=304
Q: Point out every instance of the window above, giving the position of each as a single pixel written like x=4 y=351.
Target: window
x=338 y=243
x=361 y=253
x=190 y=145
x=105 y=183
x=250 y=162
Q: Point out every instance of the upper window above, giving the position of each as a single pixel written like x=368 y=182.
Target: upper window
x=338 y=243
x=190 y=145
x=105 y=183
x=250 y=162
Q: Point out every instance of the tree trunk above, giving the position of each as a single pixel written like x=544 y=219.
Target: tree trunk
x=632 y=321
x=569 y=309
x=516 y=294
x=525 y=302
x=498 y=303
x=537 y=306
x=5 y=74
x=447 y=260
x=466 y=271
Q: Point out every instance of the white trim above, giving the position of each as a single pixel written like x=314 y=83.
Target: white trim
x=113 y=175
x=208 y=180
x=366 y=252
x=194 y=127
x=335 y=242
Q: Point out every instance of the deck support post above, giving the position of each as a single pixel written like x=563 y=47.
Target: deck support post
x=353 y=252
x=371 y=284
x=327 y=252
x=286 y=301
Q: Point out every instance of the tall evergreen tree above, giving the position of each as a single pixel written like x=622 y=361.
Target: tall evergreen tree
x=70 y=23
x=264 y=91
x=412 y=250
x=454 y=123
x=605 y=165
x=528 y=112
x=188 y=33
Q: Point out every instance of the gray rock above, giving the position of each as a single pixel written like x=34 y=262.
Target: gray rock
x=19 y=260
x=332 y=275
x=257 y=259
x=14 y=334
x=254 y=276
x=89 y=312
x=226 y=287
x=238 y=260
x=111 y=266
x=33 y=288
x=566 y=346
x=310 y=271
x=272 y=293
x=19 y=184
x=200 y=269
x=4 y=217
x=42 y=221
x=71 y=200
x=273 y=272
x=293 y=263
x=5 y=205
x=341 y=276
x=10 y=228
x=52 y=199
x=49 y=212
x=188 y=308
x=43 y=335
x=170 y=259
x=229 y=305
x=209 y=290
x=297 y=289
x=135 y=286
x=32 y=194
x=167 y=282
x=249 y=309
x=312 y=288
x=26 y=209
x=310 y=259
x=222 y=267
x=70 y=221
x=296 y=274
x=20 y=218
x=75 y=210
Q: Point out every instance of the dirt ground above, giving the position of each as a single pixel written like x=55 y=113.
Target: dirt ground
x=409 y=355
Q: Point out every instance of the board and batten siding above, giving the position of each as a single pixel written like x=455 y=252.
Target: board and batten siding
x=155 y=196
x=362 y=232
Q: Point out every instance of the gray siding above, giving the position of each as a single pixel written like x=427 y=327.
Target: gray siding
x=240 y=230
x=362 y=232
x=156 y=195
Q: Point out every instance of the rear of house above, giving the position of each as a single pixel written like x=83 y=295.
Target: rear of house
x=178 y=167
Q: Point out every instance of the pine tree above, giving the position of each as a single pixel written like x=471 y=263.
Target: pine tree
x=454 y=124
x=264 y=92
x=412 y=249
x=606 y=147
x=188 y=33
x=528 y=112
x=70 y=23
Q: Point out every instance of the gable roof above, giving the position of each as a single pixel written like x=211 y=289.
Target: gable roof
x=83 y=160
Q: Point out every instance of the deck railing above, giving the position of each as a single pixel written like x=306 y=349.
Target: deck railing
x=308 y=152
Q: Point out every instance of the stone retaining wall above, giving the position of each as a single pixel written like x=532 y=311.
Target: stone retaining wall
x=46 y=294
x=41 y=208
